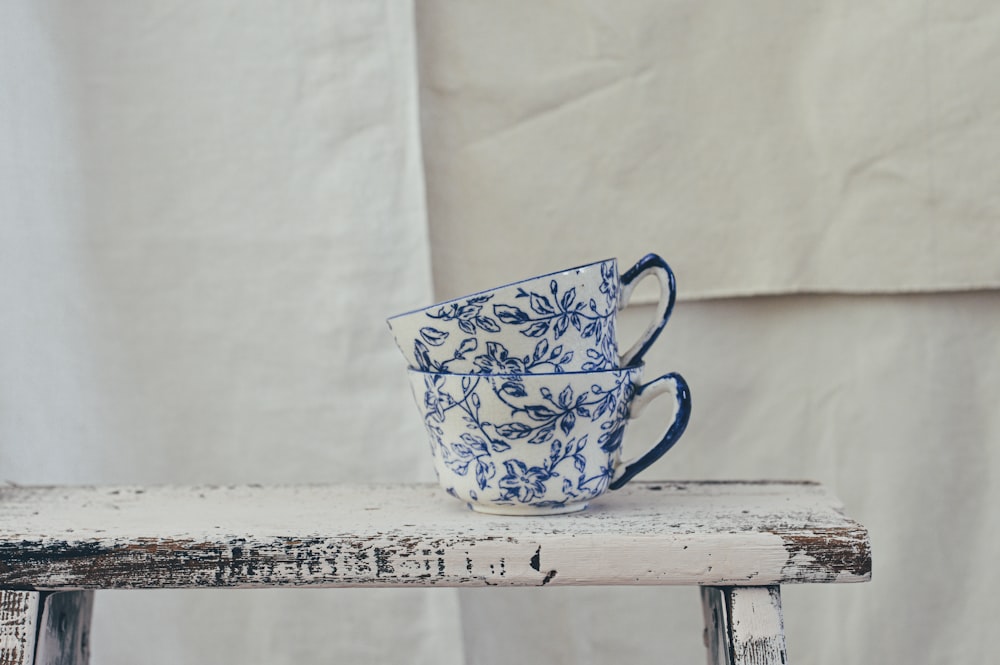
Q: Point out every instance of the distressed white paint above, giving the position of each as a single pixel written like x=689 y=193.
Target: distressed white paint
x=19 y=612
x=756 y=626
x=363 y=535
x=744 y=626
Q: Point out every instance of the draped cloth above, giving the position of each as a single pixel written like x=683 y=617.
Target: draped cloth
x=763 y=148
x=207 y=212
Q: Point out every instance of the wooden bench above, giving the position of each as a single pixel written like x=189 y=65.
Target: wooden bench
x=738 y=541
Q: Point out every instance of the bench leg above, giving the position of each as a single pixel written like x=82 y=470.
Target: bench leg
x=45 y=628
x=19 y=612
x=743 y=625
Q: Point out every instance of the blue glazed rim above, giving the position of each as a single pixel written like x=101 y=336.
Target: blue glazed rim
x=497 y=288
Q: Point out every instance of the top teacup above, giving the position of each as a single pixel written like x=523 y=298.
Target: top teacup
x=560 y=322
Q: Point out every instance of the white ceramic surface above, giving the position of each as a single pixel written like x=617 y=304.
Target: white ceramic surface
x=539 y=444
x=559 y=322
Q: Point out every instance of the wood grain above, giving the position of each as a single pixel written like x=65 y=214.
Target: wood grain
x=694 y=533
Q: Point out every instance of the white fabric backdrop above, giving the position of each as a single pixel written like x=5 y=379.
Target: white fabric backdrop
x=206 y=212
x=767 y=147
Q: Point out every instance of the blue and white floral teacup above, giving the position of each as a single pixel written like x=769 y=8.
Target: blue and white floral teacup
x=539 y=444
x=560 y=322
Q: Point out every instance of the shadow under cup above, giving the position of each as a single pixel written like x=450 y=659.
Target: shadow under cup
x=539 y=444
x=560 y=322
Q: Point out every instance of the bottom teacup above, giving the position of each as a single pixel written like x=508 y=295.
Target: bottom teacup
x=539 y=444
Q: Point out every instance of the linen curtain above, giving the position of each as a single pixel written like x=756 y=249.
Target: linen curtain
x=207 y=211
x=820 y=148
x=767 y=148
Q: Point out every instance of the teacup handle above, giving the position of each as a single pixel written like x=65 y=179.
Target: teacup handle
x=651 y=264
x=673 y=382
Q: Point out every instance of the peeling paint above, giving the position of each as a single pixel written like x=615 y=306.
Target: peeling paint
x=181 y=537
x=836 y=551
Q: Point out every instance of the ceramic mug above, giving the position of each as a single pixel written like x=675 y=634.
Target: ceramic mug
x=559 y=322
x=539 y=444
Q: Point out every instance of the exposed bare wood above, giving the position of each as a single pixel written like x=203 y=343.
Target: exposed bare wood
x=64 y=628
x=19 y=612
x=697 y=533
x=744 y=626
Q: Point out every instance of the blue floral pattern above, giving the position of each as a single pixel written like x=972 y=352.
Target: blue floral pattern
x=562 y=325
x=544 y=440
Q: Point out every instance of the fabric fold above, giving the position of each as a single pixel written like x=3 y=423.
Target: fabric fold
x=764 y=149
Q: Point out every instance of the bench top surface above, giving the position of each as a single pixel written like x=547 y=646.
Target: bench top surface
x=696 y=533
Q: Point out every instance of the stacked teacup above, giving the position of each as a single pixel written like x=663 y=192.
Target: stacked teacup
x=524 y=394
